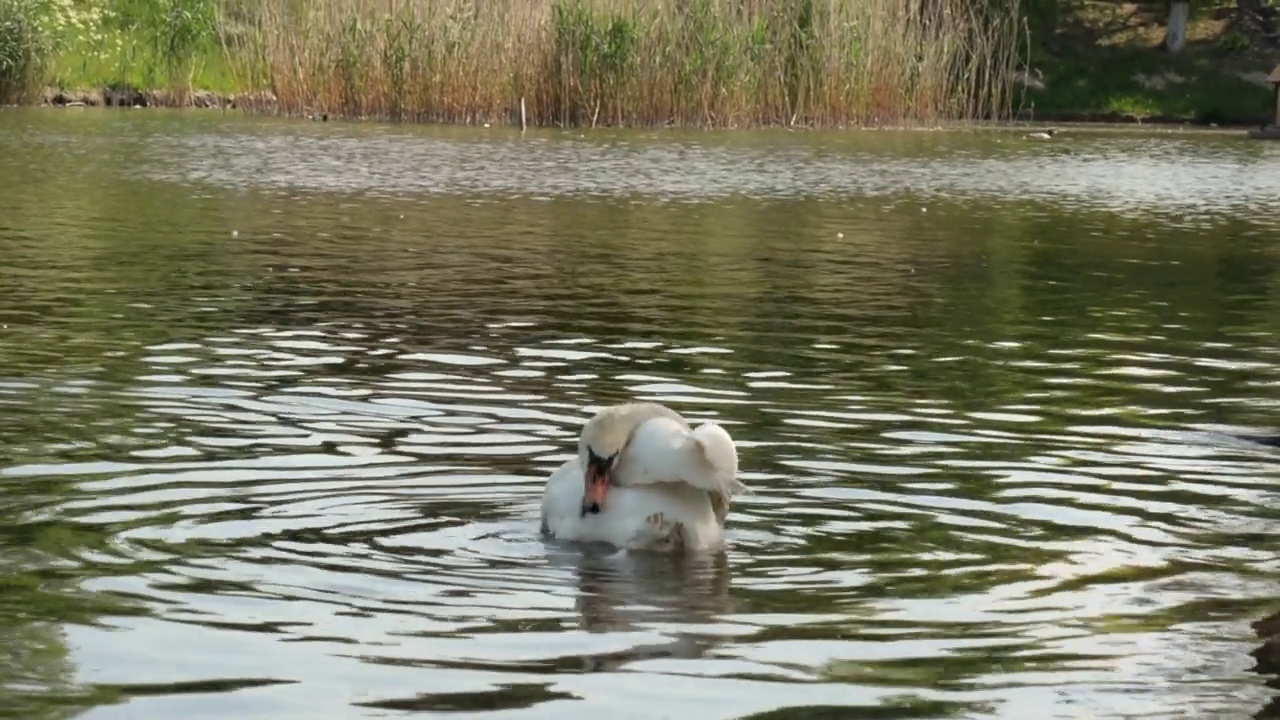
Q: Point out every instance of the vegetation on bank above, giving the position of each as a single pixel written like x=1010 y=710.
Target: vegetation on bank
x=629 y=62
x=1099 y=60
x=573 y=62
x=170 y=44
x=652 y=62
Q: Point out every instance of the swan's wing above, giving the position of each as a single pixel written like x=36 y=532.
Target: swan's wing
x=722 y=454
x=662 y=451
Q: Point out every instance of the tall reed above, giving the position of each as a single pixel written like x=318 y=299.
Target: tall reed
x=26 y=48
x=635 y=62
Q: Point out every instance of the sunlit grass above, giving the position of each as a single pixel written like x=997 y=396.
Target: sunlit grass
x=169 y=44
x=134 y=64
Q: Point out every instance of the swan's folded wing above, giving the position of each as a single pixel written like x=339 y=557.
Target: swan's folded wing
x=661 y=451
x=721 y=455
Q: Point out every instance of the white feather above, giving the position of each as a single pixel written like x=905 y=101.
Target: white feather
x=671 y=485
x=663 y=451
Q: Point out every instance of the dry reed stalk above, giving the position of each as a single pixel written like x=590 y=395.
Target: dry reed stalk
x=637 y=63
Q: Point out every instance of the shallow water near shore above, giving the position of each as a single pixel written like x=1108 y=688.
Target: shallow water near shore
x=277 y=401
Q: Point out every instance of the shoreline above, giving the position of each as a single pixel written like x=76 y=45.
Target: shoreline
x=128 y=97
x=264 y=102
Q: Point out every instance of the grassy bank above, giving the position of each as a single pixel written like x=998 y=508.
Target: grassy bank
x=110 y=44
x=1105 y=60
x=720 y=63
x=574 y=62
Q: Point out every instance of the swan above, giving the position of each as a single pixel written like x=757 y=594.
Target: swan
x=644 y=479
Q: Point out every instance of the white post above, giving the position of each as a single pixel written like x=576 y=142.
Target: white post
x=1175 y=37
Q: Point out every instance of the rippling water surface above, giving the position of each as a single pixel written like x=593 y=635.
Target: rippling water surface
x=277 y=401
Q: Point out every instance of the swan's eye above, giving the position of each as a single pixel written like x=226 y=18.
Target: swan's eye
x=599 y=462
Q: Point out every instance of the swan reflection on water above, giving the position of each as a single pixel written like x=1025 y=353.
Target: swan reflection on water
x=623 y=592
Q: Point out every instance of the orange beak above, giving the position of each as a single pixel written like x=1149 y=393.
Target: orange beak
x=598 y=477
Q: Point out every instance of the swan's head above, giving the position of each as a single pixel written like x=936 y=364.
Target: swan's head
x=603 y=440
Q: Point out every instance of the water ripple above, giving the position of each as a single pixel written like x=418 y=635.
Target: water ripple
x=1186 y=174
x=1006 y=464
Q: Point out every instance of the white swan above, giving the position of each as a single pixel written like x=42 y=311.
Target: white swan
x=643 y=480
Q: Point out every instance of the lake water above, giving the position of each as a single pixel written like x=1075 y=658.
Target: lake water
x=278 y=399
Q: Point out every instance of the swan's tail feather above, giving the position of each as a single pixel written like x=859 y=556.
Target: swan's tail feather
x=719 y=452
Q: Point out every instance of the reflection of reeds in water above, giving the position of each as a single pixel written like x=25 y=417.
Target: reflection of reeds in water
x=37 y=671
x=627 y=62
x=1267 y=656
x=622 y=592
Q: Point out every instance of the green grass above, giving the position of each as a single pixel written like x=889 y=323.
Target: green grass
x=137 y=64
x=25 y=48
x=1099 y=52
x=1109 y=83
x=83 y=44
